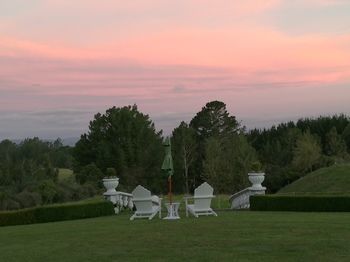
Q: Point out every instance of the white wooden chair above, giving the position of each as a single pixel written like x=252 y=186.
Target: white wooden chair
x=201 y=201
x=147 y=206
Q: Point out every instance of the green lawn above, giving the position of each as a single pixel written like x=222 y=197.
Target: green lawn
x=218 y=202
x=333 y=180
x=232 y=236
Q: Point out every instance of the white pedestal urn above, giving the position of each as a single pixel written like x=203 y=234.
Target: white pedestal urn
x=111 y=194
x=110 y=184
x=256 y=178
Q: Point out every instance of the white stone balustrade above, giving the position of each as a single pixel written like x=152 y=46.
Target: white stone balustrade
x=120 y=200
x=240 y=200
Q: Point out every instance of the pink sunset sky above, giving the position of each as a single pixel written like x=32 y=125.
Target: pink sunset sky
x=62 y=61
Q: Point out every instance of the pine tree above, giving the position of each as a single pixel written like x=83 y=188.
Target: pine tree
x=125 y=139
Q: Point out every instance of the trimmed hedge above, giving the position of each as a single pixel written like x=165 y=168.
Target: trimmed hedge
x=19 y=217
x=300 y=203
x=53 y=213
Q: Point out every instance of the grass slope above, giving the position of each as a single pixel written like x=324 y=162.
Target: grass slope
x=64 y=174
x=232 y=236
x=331 y=180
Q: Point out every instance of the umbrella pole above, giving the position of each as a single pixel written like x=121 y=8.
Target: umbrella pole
x=170 y=194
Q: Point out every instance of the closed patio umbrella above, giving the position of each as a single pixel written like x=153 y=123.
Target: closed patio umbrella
x=167 y=165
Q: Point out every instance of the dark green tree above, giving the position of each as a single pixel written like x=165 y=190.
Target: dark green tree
x=335 y=145
x=8 y=160
x=89 y=173
x=29 y=174
x=322 y=125
x=227 y=163
x=346 y=137
x=307 y=153
x=212 y=121
x=125 y=139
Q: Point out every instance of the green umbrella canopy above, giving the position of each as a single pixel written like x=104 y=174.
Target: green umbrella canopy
x=168 y=160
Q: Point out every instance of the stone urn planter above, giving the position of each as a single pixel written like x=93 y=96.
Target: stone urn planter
x=256 y=178
x=110 y=184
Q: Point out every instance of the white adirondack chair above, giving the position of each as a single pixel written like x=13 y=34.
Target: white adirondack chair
x=201 y=201
x=147 y=206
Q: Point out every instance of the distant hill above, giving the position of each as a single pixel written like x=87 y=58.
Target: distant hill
x=331 y=180
x=68 y=141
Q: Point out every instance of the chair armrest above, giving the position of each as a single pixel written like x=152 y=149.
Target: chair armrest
x=203 y=197
x=188 y=197
x=186 y=203
x=141 y=199
x=160 y=207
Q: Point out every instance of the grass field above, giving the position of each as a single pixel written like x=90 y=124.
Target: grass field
x=333 y=180
x=219 y=202
x=232 y=236
x=64 y=173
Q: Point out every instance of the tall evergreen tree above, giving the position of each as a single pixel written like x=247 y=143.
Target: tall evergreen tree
x=125 y=139
x=212 y=121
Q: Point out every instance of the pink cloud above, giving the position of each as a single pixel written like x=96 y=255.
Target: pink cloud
x=246 y=50
x=246 y=47
x=243 y=47
x=22 y=47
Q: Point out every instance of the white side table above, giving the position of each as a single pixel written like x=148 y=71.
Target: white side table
x=173 y=210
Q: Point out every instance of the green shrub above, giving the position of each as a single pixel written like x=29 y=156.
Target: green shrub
x=89 y=190
x=300 y=203
x=111 y=172
x=48 y=191
x=7 y=202
x=56 y=213
x=89 y=173
x=69 y=191
x=28 y=199
x=256 y=166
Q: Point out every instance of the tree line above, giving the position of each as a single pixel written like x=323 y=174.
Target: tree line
x=29 y=174
x=214 y=146
x=291 y=150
